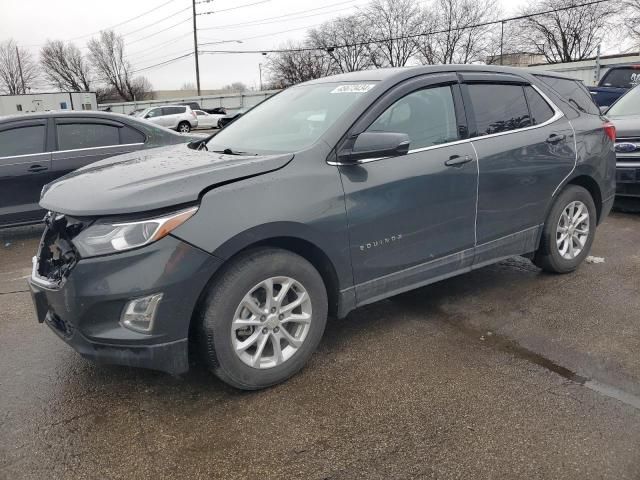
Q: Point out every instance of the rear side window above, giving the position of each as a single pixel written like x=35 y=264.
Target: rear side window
x=173 y=110
x=627 y=77
x=498 y=108
x=573 y=92
x=86 y=135
x=130 y=135
x=539 y=108
x=427 y=116
x=22 y=140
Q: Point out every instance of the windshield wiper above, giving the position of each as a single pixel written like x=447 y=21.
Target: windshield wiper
x=228 y=151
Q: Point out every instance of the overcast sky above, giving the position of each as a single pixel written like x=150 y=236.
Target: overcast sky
x=32 y=22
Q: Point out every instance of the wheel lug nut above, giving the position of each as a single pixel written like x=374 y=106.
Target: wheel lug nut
x=280 y=317
x=273 y=310
x=276 y=330
x=263 y=318
x=264 y=330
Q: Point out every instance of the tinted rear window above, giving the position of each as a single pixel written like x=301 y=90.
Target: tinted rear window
x=130 y=135
x=86 y=135
x=622 y=77
x=498 y=108
x=173 y=110
x=22 y=140
x=540 y=110
x=573 y=92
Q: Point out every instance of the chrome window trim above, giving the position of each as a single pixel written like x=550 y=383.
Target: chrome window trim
x=66 y=151
x=557 y=115
x=628 y=164
x=97 y=148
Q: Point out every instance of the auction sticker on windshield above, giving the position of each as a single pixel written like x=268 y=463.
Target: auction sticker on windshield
x=353 y=88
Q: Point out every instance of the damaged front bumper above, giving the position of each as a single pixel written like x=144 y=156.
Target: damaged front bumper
x=84 y=306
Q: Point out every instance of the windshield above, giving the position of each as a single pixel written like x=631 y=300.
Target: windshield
x=628 y=104
x=627 y=77
x=289 y=121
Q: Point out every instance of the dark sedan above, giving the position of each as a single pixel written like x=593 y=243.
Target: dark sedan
x=37 y=148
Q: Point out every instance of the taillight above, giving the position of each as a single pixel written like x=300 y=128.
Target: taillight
x=610 y=130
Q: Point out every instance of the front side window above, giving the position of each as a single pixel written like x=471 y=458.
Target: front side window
x=428 y=116
x=22 y=140
x=156 y=112
x=498 y=108
x=291 y=120
x=86 y=135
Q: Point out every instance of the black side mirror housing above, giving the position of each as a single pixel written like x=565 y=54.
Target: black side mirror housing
x=370 y=145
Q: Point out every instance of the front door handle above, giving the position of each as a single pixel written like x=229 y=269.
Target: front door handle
x=457 y=160
x=555 y=138
x=37 y=168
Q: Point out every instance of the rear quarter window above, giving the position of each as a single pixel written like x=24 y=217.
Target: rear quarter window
x=572 y=91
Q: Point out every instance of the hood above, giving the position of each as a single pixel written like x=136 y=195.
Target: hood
x=627 y=126
x=150 y=179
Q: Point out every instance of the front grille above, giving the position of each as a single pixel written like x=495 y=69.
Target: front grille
x=627 y=139
x=57 y=256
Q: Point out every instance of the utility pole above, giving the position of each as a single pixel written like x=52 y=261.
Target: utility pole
x=501 y=41
x=260 y=69
x=596 y=72
x=195 y=46
x=20 y=68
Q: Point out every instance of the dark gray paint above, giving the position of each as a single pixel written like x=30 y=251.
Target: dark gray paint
x=331 y=210
x=20 y=185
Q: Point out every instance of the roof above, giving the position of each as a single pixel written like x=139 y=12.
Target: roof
x=397 y=74
x=62 y=113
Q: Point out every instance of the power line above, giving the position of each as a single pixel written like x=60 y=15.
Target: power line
x=160 y=31
x=159 y=45
x=233 y=8
x=275 y=19
x=156 y=22
x=404 y=37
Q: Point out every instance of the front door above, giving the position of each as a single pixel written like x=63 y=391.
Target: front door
x=412 y=217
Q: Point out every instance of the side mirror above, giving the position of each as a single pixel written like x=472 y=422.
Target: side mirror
x=370 y=145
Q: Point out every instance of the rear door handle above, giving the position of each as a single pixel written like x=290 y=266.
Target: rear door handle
x=457 y=160
x=555 y=138
x=37 y=168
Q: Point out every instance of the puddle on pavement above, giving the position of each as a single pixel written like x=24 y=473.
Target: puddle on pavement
x=505 y=344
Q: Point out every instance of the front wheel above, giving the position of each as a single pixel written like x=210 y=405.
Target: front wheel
x=184 y=127
x=568 y=232
x=263 y=318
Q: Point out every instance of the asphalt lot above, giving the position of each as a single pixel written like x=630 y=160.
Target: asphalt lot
x=505 y=372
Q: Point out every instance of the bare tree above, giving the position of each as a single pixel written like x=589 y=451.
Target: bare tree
x=391 y=23
x=65 y=67
x=350 y=33
x=632 y=20
x=18 y=70
x=108 y=59
x=188 y=86
x=566 y=35
x=298 y=64
x=235 y=87
x=461 y=36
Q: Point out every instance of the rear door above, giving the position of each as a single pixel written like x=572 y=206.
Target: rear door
x=25 y=167
x=525 y=148
x=81 y=141
x=171 y=116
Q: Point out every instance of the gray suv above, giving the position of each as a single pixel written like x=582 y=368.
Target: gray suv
x=238 y=247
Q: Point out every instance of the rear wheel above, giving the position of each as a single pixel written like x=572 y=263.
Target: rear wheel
x=263 y=318
x=568 y=232
x=184 y=127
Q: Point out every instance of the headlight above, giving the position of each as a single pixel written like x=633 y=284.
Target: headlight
x=104 y=237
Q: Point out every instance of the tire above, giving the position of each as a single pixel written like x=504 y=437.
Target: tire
x=550 y=256
x=220 y=342
x=184 y=127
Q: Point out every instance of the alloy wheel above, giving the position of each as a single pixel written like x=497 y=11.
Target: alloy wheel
x=573 y=230
x=271 y=323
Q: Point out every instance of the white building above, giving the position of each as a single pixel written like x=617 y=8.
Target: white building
x=43 y=102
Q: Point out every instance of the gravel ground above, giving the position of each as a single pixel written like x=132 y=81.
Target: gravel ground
x=505 y=372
